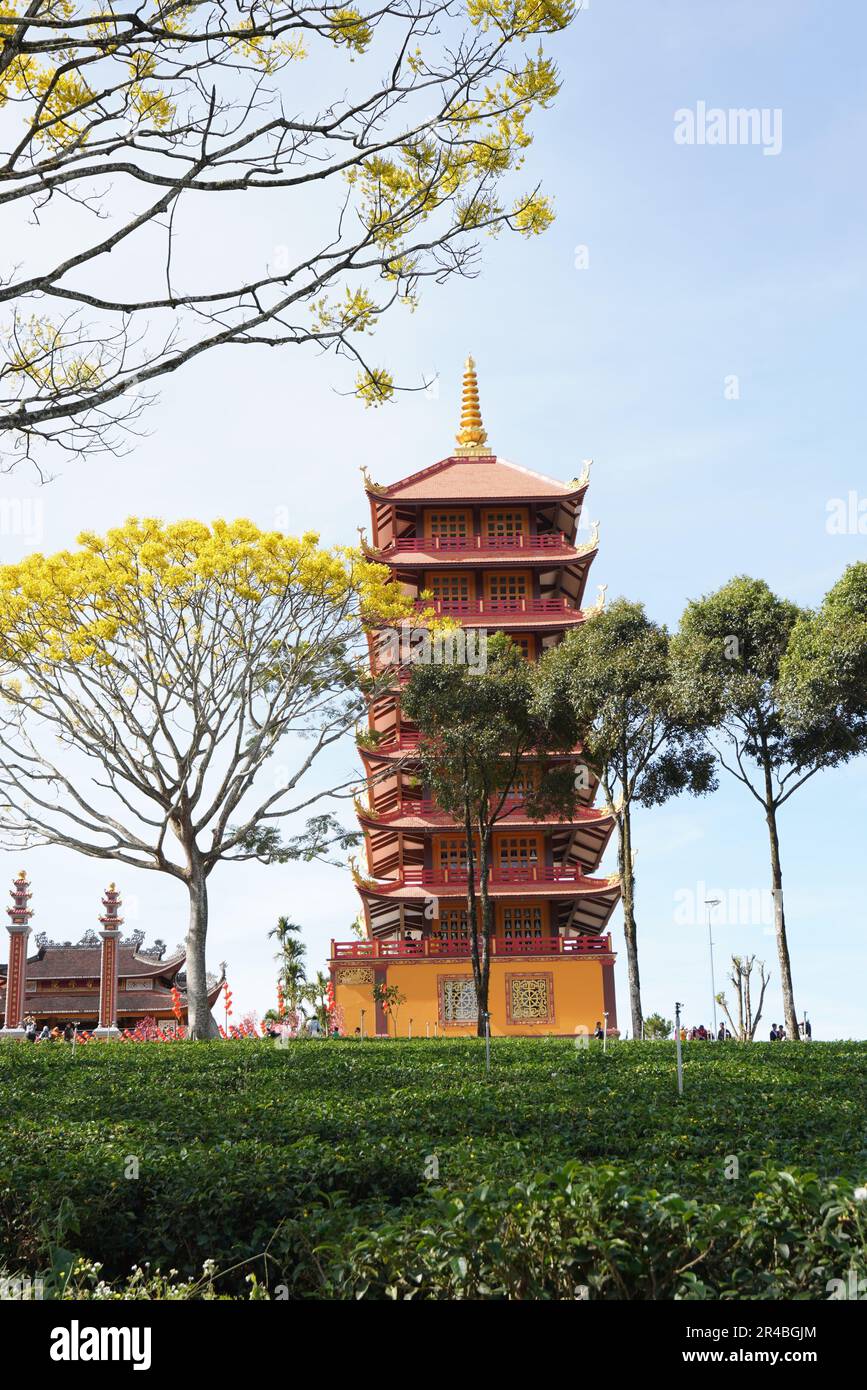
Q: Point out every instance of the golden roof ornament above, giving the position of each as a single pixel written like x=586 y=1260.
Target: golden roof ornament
x=368 y=481
x=592 y=544
x=472 y=437
x=599 y=605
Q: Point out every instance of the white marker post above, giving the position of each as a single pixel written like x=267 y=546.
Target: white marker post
x=679 y=1053
x=710 y=904
x=605 y=1033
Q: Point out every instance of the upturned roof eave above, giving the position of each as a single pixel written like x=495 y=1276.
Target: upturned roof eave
x=552 y=490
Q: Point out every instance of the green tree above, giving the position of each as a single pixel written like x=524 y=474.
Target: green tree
x=616 y=671
x=657 y=1027
x=315 y=993
x=389 y=999
x=731 y=651
x=477 y=730
x=290 y=958
x=823 y=672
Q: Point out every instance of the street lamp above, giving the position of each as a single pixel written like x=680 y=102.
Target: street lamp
x=711 y=903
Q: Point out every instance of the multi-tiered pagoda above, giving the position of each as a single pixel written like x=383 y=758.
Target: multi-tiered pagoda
x=493 y=546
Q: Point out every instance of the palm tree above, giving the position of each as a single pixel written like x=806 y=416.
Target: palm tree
x=290 y=958
x=316 y=993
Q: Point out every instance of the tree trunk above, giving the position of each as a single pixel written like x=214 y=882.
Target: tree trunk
x=200 y=1019
x=789 y=1016
x=627 y=890
x=742 y=1034
x=472 y=912
x=487 y=914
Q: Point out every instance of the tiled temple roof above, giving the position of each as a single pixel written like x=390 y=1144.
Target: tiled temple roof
x=492 y=480
x=82 y=962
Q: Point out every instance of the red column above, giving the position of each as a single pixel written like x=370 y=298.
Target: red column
x=19 y=930
x=608 y=992
x=110 y=936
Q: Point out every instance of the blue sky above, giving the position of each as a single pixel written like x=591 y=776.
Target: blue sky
x=704 y=263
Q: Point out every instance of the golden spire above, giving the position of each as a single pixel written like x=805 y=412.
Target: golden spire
x=472 y=438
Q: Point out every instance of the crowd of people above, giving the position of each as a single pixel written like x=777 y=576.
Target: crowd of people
x=34 y=1033
x=702 y=1034
x=777 y=1034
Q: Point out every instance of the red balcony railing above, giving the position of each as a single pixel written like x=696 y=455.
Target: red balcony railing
x=498 y=607
x=398 y=809
x=425 y=806
x=432 y=545
x=502 y=873
x=430 y=946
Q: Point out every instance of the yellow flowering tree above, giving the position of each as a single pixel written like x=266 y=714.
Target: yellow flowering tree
x=389 y=138
x=147 y=679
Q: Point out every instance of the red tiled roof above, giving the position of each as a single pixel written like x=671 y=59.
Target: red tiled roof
x=82 y=962
x=129 y=1002
x=474 y=479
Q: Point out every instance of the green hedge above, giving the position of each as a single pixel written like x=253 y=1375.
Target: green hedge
x=344 y=1169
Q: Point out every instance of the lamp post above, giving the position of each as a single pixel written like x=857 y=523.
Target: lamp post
x=710 y=904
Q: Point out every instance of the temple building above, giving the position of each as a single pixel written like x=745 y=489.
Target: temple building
x=104 y=982
x=493 y=546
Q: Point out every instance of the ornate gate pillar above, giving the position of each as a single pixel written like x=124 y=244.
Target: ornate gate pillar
x=19 y=930
x=110 y=936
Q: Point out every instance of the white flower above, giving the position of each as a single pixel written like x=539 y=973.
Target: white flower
x=860 y=1194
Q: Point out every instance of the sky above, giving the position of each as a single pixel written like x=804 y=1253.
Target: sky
x=695 y=322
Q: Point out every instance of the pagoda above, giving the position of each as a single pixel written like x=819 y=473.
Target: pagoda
x=105 y=982
x=492 y=546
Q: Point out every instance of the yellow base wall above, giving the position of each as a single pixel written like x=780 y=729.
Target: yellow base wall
x=577 y=987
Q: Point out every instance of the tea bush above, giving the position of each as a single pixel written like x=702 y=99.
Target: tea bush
x=344 y=1169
